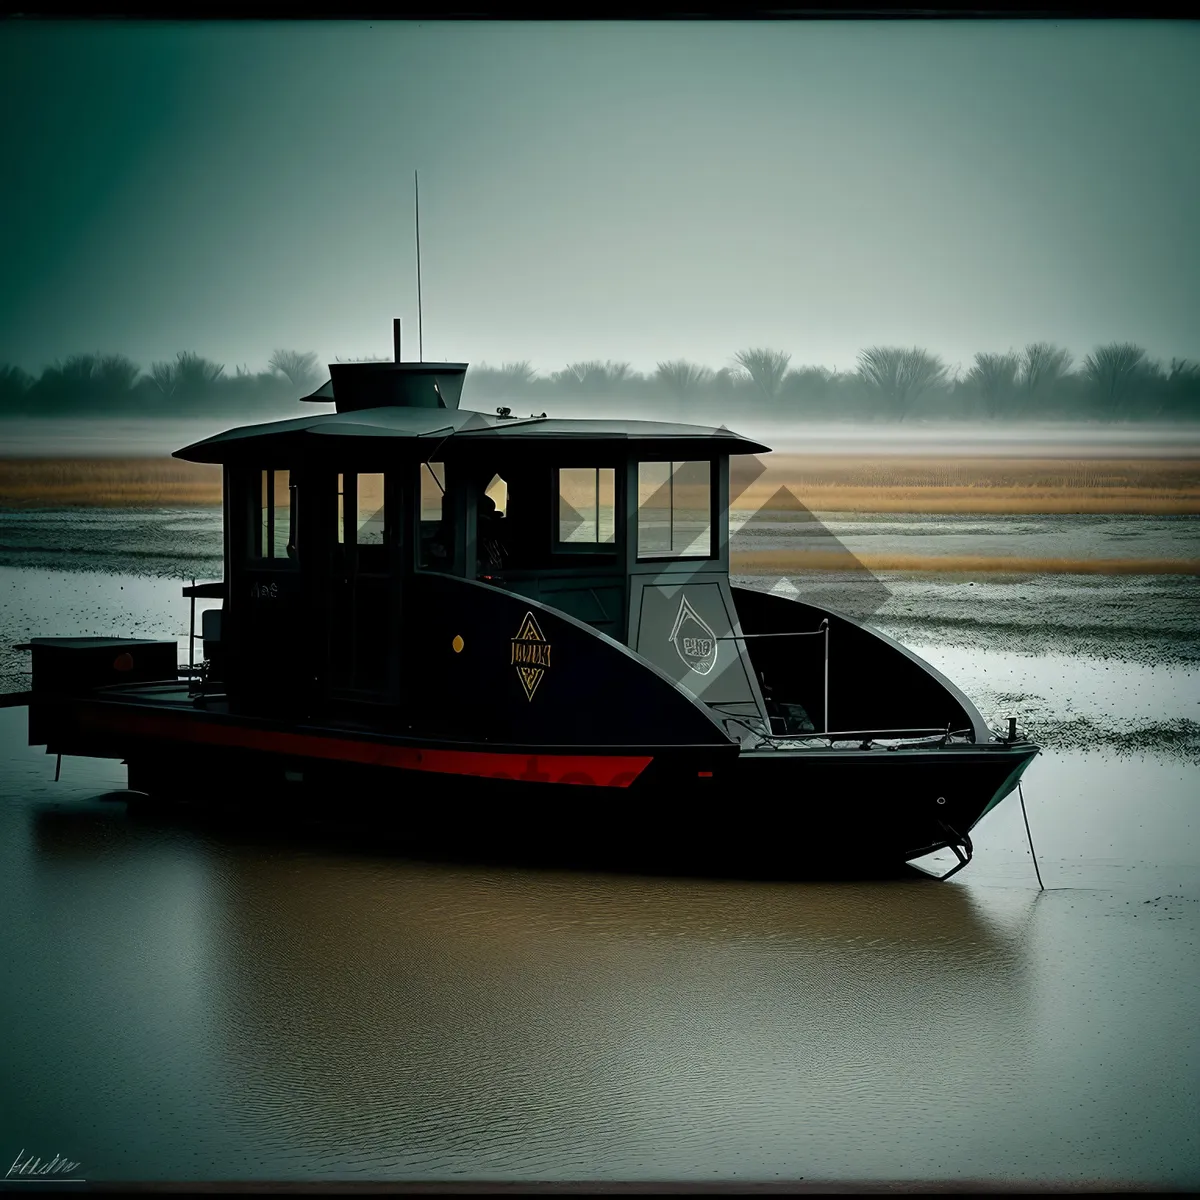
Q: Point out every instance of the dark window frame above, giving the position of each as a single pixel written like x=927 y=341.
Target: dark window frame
x=712 y=552
x=420 y=544
x=369 y=558
x=596 y=549
x=260 y=486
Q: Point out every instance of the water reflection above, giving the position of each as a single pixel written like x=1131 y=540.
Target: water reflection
x=342 y=1013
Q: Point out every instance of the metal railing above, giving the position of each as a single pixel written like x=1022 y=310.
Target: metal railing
x=822 y=629
x=205 y=591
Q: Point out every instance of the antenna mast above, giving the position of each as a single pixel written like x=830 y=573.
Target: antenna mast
x=420 y=330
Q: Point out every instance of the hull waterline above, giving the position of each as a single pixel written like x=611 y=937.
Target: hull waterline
x=784 y=813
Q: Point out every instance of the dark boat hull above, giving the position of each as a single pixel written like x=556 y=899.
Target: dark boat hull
x=784 y=813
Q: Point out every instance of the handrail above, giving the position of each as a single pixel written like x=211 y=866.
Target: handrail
x=192 y=625
x=849 y=735
x=745 y=637
x=206 y=591
x=218 y=590
x=823 y=628
x=863 y=734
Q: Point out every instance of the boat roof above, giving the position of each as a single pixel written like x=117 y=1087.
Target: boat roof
x=394 y=423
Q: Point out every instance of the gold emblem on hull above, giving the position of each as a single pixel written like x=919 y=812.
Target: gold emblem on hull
x=530 y=655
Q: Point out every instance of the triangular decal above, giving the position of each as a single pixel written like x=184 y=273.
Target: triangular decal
x=530 y=655
x=530 y=677
x=529 y=631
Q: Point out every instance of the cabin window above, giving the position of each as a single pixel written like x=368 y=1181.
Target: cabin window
x=491 y=527
x=586 y=507
x=371 y=524
x=675 y=509
x=497 y=493
x=275 y=536
x=435 y=549
x=433 y=488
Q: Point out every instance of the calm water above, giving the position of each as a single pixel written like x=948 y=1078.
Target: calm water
x=188 y=1001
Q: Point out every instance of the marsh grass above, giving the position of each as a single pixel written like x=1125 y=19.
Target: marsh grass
x=824 y=483
x=108 y=483
x=829 y=483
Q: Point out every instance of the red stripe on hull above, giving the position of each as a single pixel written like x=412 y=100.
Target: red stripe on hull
x=594 y=770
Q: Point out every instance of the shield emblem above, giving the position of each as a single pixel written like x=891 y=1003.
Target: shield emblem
x=693 y=639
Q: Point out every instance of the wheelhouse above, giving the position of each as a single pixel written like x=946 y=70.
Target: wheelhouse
x=336 y=525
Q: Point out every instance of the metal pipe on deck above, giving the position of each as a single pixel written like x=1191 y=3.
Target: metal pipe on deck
x=192 y=640
x=745 y=637
x=825 y=626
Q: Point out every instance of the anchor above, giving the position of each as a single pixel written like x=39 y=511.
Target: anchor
x=958 y=842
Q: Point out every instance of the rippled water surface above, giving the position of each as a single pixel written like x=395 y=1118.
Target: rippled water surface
x=187 y=1000
x=1053 y=536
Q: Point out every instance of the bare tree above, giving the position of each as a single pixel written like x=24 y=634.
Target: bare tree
x=87 y=381
x=617 y=373
x=188 y=378
x=1110 y=370
x=517 y=374
x=1183 y=388
x=116 y=374
x=899 y=375
x=578 y=374
x=164 y=378
x=727 y=381
x=1041 y=365
x=994 y=377
x=69 y=379
x=80 y=368
x=302 y=371
x=593 y=375
x=14 y=387
x=766 y=367
x=1182 y=369
x=682 y=378
x=196 y=370
x=808 y=384
x=507 y=380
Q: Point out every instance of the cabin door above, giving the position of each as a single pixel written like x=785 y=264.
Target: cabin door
x=364 y=591
x=267 y=599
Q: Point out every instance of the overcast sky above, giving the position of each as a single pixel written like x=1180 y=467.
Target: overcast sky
x=617 y=190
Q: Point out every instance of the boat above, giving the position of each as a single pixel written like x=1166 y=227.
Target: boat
x=508 y=631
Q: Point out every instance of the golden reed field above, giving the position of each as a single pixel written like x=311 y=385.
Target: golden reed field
x=822 y=483
x=910 y=484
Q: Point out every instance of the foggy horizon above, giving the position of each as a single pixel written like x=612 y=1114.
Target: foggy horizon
x=629 y=191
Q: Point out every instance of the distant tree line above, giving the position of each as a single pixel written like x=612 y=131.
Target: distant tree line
x=1115 y=382
x=188 y=385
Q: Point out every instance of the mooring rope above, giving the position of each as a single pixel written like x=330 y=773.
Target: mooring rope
x=1032 y=852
